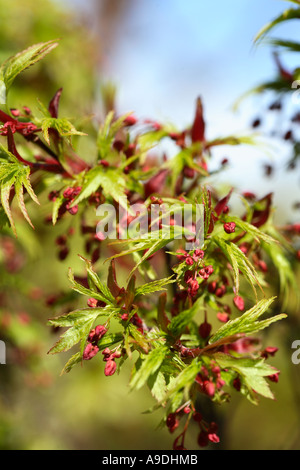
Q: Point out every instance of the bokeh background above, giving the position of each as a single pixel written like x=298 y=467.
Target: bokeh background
x=158 y=56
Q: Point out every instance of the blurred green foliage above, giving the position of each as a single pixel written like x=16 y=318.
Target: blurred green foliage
x=72 y=66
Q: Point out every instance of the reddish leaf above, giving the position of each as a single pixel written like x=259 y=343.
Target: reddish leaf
x=54 y=103
x=260 y=217
x=112 y=280
x=198 y=128
x=156 y=183
x=222 y=203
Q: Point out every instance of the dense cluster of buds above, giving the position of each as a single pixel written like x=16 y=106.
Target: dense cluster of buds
x=210 y=381
x=207 y=431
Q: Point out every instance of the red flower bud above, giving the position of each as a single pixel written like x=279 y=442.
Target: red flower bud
x=213 y=438
x=212 y=287
x=92 y=302
x=61 y=240
x=202 y=439
x=239 y=302
x=68 y=193
x=199 y=253
x=197 y=417
x=204 y=330
x=187 y=410
x=72 y=210
x=90 y=351
x=130 y=120
x=274 y=377
x=63 y=253
x=269 y=351
x=229 y=227
x=189 y=261
x=220 y=291
x=222 y=317
x=209 y=388
x=237 y=384
x=110 y=368
x=15 y=112
x=96 y=334
x=172 y=422
x=249 y=195
x=188 y=172
x=53 y=195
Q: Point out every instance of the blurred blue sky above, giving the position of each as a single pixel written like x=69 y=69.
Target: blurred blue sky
x=168 y=52
x=171 y=51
